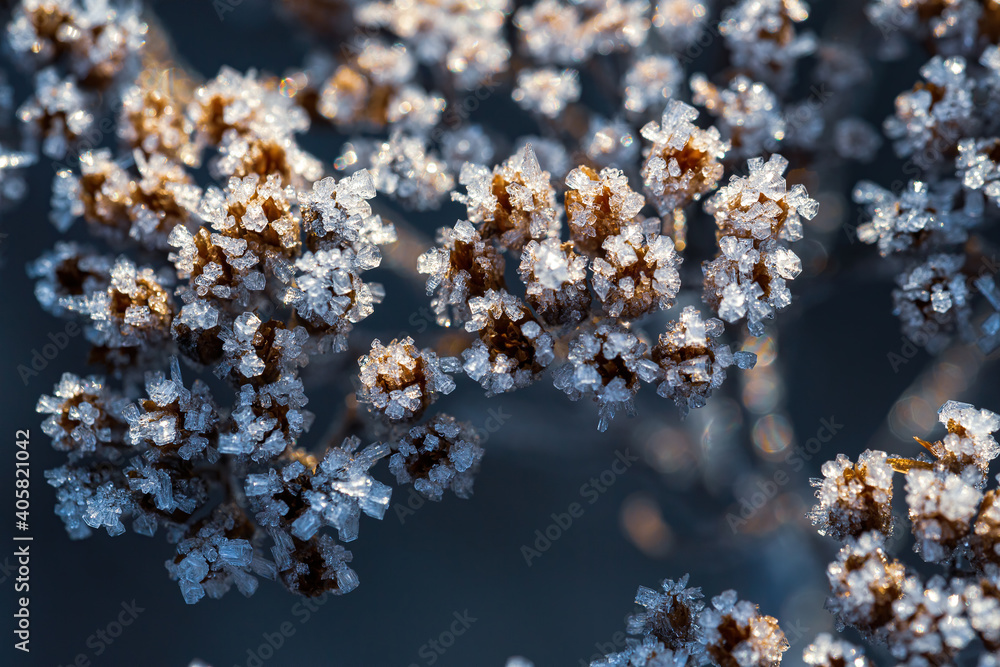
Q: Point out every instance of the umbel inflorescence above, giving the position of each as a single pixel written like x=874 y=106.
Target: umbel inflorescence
x=223 y=247
x=253 y=273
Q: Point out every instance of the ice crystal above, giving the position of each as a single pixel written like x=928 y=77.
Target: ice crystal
x=856 y=139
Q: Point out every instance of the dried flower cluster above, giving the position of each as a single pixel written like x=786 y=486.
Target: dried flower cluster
x=678 y=629
x=953 y=520
x=945 y=128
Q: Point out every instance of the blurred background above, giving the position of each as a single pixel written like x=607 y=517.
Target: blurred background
x=824 y=384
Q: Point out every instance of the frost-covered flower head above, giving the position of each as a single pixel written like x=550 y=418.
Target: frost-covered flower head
x=854 y=498
x=67 y=270
x=405 y=168
x=332 y=296
x=511 y=203
x=977 y=166
x=942 y=506
x=864 y=584
x=546 y=91
x=650 y=82
x=243 y=103
x=681 y=22
x=692 y=363
x=606 y=362
x=399 y=382
x=173 y=418
x=932 y=300
x=636 y=272
x=756 y=216
x=748 y=114
x=462 y=266
x=920 y=217
x=439 y=455
x=83 y=414
x=671 y=617
x=932 y=118
x=305 y=495
x=512 y=349
x=555 y=279
x=135 y=309
x=684 y=162
x=825 y=651
x=762 y=38
x=467 y=36
x=970 y=441
x=929 y=624
x=257 y=211
x=734 y=632
x=58 y=115
x=99 y=40
x=217 y=556
x=153 y=120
